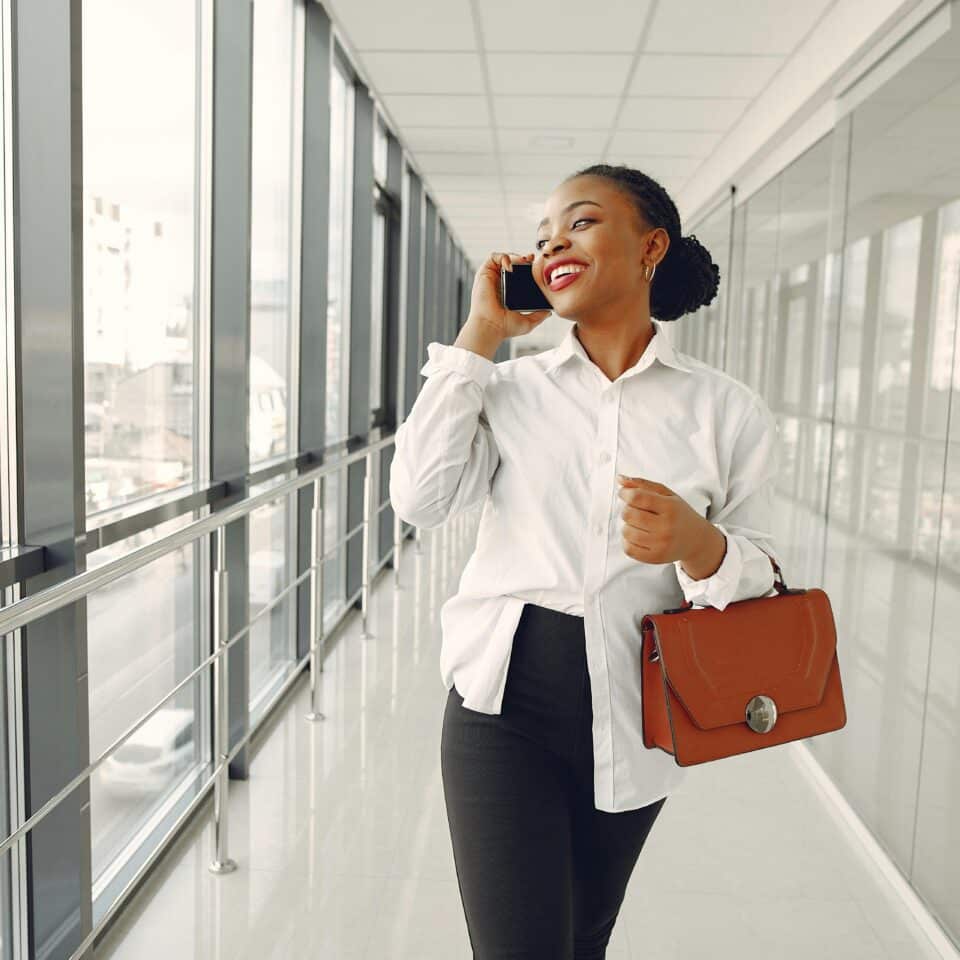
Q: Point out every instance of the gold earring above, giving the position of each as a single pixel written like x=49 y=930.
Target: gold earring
x=651 y=272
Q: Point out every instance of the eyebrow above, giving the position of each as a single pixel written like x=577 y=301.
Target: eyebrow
x=567 y=209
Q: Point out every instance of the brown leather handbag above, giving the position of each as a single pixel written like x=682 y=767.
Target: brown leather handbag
x=759 y=673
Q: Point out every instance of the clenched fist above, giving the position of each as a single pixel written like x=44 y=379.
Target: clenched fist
x=659 y=527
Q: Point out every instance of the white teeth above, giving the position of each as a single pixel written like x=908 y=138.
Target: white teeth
x=564 y=270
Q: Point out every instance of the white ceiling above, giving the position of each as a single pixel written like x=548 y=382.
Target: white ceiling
x=499 y=100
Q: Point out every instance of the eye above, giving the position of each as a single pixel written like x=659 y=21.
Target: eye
x=575 y=222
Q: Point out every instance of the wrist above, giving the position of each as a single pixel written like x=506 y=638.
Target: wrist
x=480 y=337
x=709 y=556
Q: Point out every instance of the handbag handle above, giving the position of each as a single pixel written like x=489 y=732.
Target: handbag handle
x=781 y=587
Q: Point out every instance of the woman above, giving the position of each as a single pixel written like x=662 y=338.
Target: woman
x=605 y=466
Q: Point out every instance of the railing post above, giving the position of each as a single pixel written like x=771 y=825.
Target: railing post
x=316 y=597
x=221 y=731
x=367 y=497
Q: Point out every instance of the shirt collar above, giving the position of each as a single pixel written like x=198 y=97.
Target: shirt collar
x=659 y=345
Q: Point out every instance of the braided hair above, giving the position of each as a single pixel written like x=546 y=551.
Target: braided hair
x=686 y=278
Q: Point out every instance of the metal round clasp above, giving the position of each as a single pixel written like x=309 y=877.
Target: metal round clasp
x=761 y=714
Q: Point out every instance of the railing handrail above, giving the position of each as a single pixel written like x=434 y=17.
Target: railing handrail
x=23 y=612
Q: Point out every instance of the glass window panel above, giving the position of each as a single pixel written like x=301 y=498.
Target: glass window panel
x=931 y=493
x=944 y=322
x=826 y=334
x=714 y=233
x=844 y=478
x=7 y=949
x=851 y=329
x=139 y=210
x=271 y=641
x=903 y=171
x=338 y=323
x=8 y=440
x=901 y=254
x=793 y=367
x=142 y=639
x=883 y=483
x=271 y=201
x=761 y=302
x=378 y=286
x=770 y=340
x=8 y=452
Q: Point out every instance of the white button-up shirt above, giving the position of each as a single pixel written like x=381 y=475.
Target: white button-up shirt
x=540 y=440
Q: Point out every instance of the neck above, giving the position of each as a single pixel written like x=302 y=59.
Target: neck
x=615 y=347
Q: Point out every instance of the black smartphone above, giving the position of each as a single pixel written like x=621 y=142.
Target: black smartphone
x=519 y=291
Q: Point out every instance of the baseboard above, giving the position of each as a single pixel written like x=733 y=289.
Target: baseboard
x=838 y=807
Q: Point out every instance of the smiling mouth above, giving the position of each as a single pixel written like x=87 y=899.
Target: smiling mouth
x=564 y=280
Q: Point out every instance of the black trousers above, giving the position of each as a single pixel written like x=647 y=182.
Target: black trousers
x=542 y=873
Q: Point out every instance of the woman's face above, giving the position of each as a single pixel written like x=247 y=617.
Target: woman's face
x=605 y=235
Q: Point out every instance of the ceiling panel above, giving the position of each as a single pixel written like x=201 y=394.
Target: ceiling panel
x=555 y=164
x=464 y=183
x=532 y=74
x=568 y=112
x=426 y=72
x=498 y=101
x=702 y=76
x=456 y=200
x=447 y=162
x=417 y=109
x=466 y=139
x=532 y=181
x=658 y=143
x=562 y=25
x=377 y=24
x=731 y=26
x=681 y=113
x=556 y=140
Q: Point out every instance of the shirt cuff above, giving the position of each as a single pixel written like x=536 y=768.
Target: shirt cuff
x=444 y=356
x=718 y=589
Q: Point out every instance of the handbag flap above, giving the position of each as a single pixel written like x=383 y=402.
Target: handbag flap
x=715 y=661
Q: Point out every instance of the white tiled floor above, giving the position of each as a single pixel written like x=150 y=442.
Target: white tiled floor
x=343 y=849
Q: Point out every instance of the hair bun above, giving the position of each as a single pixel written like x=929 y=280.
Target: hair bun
x=691 y=280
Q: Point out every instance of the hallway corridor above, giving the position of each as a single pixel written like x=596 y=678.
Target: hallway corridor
x=341 y=839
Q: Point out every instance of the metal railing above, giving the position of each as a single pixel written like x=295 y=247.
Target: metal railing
x=25 y=611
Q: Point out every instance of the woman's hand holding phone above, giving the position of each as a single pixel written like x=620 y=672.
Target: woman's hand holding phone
x=486 y=307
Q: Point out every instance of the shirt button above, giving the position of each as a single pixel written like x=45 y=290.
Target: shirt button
x=604 y=457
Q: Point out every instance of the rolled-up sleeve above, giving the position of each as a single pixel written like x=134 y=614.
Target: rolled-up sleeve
x=745 y=518
x=445 y=454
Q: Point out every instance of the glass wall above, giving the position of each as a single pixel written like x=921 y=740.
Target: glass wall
x=271 y=209
x=845 y=316
x=338 y=325
x=140 y=313
x=144 y=635
x=898 y=527
x=169 y=367
x=8 y=448
x=139 y=251
x=706 y=327
x=272 y=530
x=378 y=266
